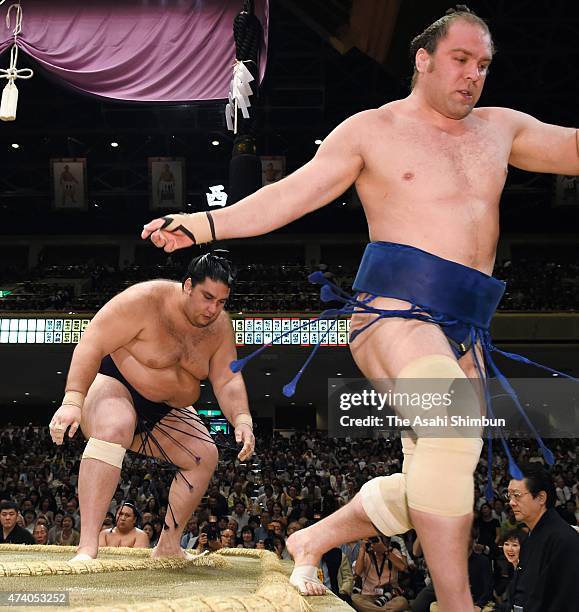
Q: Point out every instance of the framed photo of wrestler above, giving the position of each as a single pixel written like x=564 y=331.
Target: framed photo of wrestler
x=69 y=183
x=272 y=168
x=167 y=183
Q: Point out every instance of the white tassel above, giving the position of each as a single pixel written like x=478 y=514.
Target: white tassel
x=9 y=102
x=239 y=92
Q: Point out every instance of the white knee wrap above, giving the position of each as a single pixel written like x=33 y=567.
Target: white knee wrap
x=440 y=477
x=107 y=452
x=384 y=501
x=440 y=480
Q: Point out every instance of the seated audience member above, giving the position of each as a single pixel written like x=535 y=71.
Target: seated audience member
x=337 y=574
x=125 y=532
x=378 y=565
x=261 y=531
x=237 y=495
x=228 y=539
x=40 y=534
x=158 y=528
x=56 y=526
x=12 y=533
x=150 y=531
x=29 y=520
x=68 y=535
x=247 y=536
x=292 y=528
x=506 y=566
x=279 y=548
x=209 y=536
x=547 y=578
x=240 y=515
x=191 y=534
x=489 y=531
x=109 y=520
x=262 y=499
x=277 y=514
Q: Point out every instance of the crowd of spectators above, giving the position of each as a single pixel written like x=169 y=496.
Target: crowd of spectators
x=291 y=482
x=531 y=286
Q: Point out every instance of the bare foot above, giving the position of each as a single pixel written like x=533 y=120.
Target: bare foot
x=85 y=553
x=161 y=552
x=306 y=560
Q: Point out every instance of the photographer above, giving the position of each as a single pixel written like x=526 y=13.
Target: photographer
x=209 y=538
x=378 y=565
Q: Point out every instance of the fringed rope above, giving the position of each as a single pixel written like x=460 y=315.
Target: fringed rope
x=274 y=592
x=97 y=566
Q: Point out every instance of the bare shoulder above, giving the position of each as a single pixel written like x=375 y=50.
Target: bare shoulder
x=147 y=293
x=139 y=299
x=224 y=327
x=502 y=116
x=366 y=121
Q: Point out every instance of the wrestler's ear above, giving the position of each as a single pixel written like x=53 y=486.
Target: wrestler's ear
x=421 y=60
x=187 y=287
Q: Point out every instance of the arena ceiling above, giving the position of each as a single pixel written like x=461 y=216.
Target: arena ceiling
x=328 y=59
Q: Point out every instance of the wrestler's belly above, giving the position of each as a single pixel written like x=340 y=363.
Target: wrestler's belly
x=465 y=232
x=171 y=385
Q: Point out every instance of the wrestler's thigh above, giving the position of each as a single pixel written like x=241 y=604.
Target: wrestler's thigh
x=108 y=412
x=389 y=345
x=181 y=441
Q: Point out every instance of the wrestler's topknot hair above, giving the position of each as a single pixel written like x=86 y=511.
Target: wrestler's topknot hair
x=213 y=265
x=438 y=30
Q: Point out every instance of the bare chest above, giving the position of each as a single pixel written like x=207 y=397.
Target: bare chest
x=117 y=539
x=421 y=158
x=172 y=346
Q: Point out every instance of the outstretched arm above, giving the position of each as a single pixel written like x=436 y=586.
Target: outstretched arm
x=541 y=147
x=336 y=165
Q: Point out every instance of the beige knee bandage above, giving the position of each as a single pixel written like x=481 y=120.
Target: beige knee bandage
x=440 y=478
x=107 y=452
x=384 y=501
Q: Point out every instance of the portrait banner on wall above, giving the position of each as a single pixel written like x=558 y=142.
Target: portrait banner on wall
x=69 y=183
x=566 y=190
x=272 y=168
x=167 y=183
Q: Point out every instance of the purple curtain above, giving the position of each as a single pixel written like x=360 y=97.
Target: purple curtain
x=146 y=51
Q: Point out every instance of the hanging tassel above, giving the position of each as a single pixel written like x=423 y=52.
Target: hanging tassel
x=9 y=102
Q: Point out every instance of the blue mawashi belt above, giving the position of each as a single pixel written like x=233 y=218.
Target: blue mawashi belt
x=459 y=299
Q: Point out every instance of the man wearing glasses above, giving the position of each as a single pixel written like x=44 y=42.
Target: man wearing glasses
x=547 y=576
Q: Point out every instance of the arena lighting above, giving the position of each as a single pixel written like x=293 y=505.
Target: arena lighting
x=215 y=143
x=59 y=372
x=114 y=144
x=27 y=393
x=267 y=395
x=15 y=145
x=317 y=141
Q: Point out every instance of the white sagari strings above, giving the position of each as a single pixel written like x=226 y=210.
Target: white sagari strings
x=239 y=92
